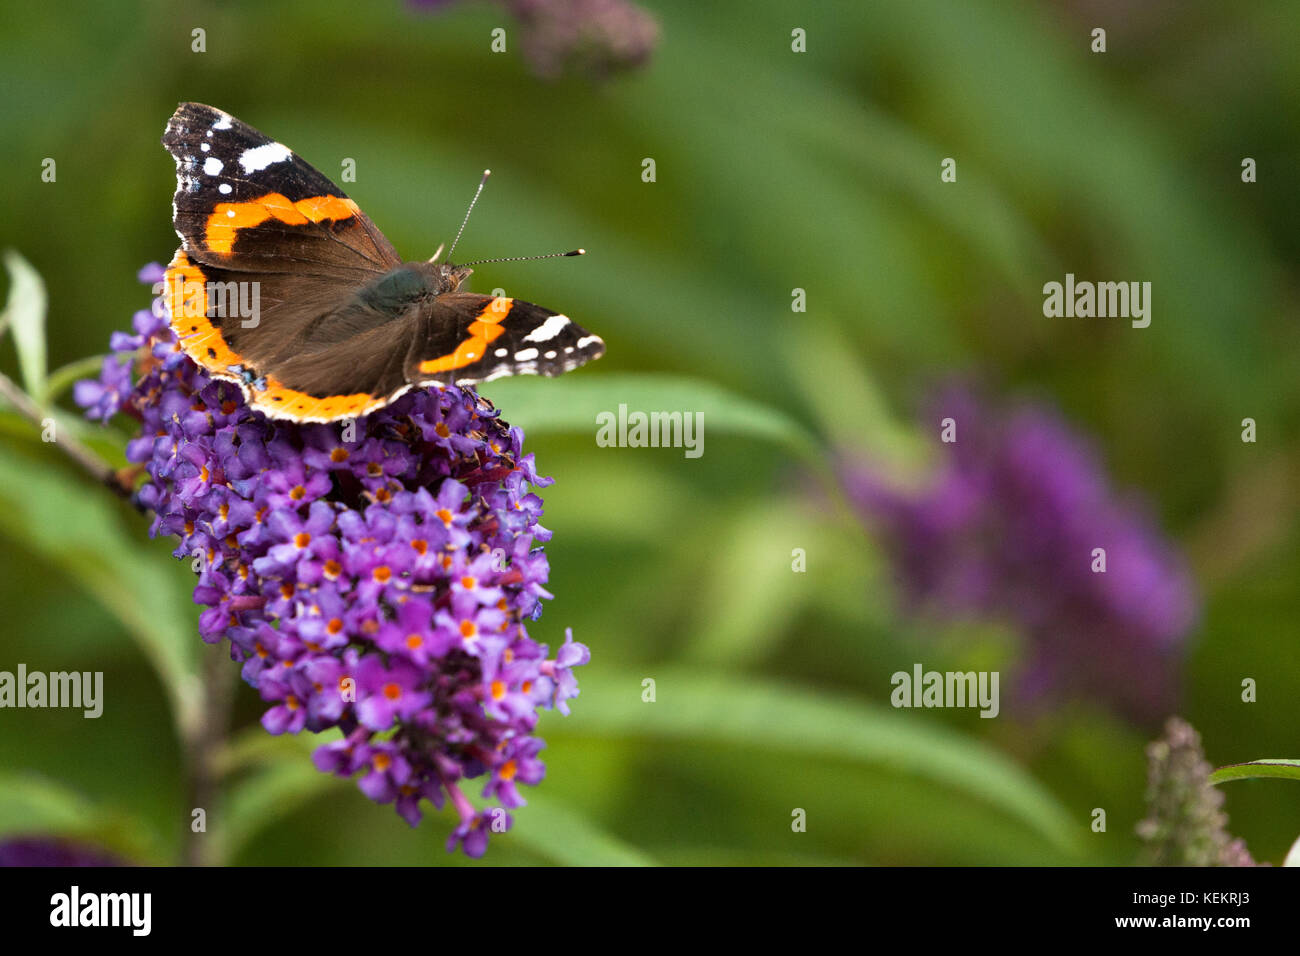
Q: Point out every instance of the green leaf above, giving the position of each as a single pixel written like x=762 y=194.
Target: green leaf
x=749 y=592
x=751 y=712
x=283 y=778
x=25 y=314
x=76 y=527
x=572 y=404
x=64 y=377
x=556 y=831
x=269 y=794
x=846 y=402
x=31 y=805
x=1281 y=769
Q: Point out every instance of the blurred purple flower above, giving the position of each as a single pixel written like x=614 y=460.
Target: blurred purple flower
x=597 y=37
x=52 y=851
x=1185 y=823
x=1007 y=528
x=376 y=582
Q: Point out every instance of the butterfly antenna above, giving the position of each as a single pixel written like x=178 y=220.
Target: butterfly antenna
x=549 y=255
x=481 y=183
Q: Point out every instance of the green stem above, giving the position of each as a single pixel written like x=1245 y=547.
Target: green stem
x=79 y=454
x=203 y=746
x=62 y=379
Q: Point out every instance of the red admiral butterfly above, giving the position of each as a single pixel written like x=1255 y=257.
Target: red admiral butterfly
x=284 y=286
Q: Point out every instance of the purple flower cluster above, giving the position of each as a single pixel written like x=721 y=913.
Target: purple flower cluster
x=373 y=576
x=597 y=37
x=1185 y=823
x=1008 y=528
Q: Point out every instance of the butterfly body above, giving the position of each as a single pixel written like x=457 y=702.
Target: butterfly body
x=284 y=286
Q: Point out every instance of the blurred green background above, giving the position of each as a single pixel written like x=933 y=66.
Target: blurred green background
x=775 y=170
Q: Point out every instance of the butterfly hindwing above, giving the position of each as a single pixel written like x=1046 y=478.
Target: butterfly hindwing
x=463 y=339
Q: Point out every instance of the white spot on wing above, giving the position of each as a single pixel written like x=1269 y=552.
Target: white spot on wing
x=224 y=189
x=525 y=355
x=259 y=157
x=588 y=340
x=223 y=123
x=212 y=165
x=501 y=353
x=548 y=329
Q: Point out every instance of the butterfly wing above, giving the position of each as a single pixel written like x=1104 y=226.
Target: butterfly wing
x=261 y=226
x=266 y=289
x=462 y=339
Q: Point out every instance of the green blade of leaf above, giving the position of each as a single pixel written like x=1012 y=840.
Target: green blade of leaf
x=557 y=832
x=76 y=528
x=749 y=591
x=573 y=404
x=267 y=796
x=64 y=377
x=1287 y=769
x=31 y=805
x=751 y=712
x=25 y=315
x=284 y=778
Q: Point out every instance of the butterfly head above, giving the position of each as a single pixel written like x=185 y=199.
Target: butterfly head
x=447 y=277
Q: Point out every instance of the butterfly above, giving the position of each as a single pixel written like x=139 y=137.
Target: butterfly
x=284 y=286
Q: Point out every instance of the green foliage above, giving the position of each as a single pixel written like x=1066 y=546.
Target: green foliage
x=776 y=171
x=1255 y=769
x=24 y=319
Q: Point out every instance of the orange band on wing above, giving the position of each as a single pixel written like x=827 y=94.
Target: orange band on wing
x=484 y=329
x=278 y=398
x=186 y=295
x=229 y=217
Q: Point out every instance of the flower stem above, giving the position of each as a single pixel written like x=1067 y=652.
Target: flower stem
x=79 y=454
x=202 y=749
